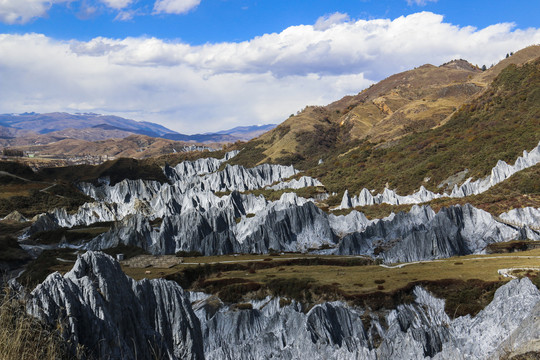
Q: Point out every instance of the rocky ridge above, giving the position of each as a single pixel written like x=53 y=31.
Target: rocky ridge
x=188 y=215
x=97 y=301
x=499 y=173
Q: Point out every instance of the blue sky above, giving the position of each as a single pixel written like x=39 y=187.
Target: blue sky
x=238 y=20
x=205 y=65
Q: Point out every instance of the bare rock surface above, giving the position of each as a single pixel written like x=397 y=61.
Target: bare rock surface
x=118 y=318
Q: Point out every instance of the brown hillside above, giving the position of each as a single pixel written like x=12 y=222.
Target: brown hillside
x=414 y=100
x=519 y=58
x=134 y=146
x=405 y=103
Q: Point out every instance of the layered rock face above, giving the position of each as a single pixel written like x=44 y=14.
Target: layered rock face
x=421 y=234
x=247 y=224
x=499 y=173
x=118 y=318
x=114 y=316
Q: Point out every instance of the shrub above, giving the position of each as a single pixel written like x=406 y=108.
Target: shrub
x=183 y=253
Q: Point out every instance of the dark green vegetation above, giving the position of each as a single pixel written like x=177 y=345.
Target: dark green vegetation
x=71 y=235
x=116 y=170
x=12 y=256
x=33 y=193
x=11 y=252
x=512 y=246
x=36 y=201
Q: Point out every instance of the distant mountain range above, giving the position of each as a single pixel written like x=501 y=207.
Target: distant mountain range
x=243 y=133
x=33 y=128
x=51 y=122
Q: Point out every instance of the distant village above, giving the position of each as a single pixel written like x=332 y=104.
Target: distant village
x=42 y=160
x=37 y=159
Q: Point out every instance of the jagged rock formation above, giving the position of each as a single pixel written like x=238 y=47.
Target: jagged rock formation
x=232 y=224
x=387 y=197
x=187 y=215
x=231 y=178
x=304 y=181
x=116 y=317
x=98 y=302
x=239 y=178
x=193 y=183
x=499 y=173
x=239 y=223
x=495 y=327
x=422 y=235
x=523 y=217
x=197 y=167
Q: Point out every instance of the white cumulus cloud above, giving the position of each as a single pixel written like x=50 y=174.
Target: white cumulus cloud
x=23 y=11
x=175 y=6
x=217 y=86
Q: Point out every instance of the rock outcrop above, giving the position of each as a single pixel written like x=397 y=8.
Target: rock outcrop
x=423 y=235
x=499 y=173
x=304 y=181
x=188 y=215
x=192 y=182
x=15 y=216
x=525 y=217
x=237 y=223
x=116 y=317
x=232 y=178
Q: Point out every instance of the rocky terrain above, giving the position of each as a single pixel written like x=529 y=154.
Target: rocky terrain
x=443 y=138
x=99 y=302
x=192 y=217
x=499 y=173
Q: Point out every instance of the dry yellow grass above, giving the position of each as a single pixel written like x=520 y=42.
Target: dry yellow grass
x=7 y=191
x=361 y=279
x=23 y=337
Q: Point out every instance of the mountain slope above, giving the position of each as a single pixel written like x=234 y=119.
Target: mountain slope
x=412 y=101
x=496 y=124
